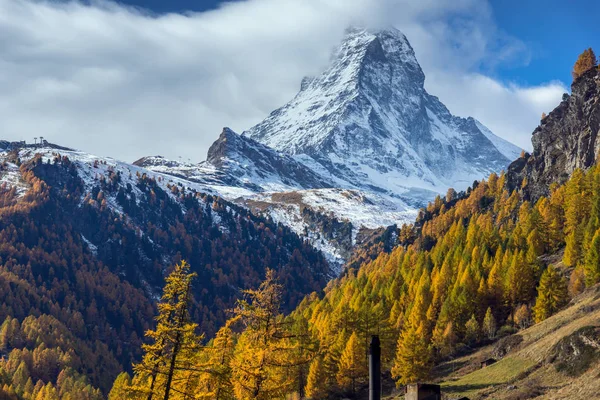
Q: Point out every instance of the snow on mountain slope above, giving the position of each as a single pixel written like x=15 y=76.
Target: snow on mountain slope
x=91 y=169
x=331 y=218
x=509 y=150
x=234 y=161
x=369 y=121
x=242 y=170
x=363 y=145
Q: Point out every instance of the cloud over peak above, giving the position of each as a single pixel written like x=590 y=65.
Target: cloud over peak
x=118 y=81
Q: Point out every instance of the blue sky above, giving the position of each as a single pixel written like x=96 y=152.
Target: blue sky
x=120 y=81
x=554 y=31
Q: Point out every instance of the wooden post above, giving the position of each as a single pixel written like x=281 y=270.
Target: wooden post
x=375 y=369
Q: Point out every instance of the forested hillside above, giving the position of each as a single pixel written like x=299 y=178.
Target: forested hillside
x=83 y=258
x=110 y=270
x=475 y=266
x=475 y=271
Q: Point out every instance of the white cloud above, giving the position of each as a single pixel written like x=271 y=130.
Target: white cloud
x=117 y=81
x=509 y=110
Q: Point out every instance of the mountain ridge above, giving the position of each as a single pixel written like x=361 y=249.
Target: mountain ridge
x=369 y=120
x=363 y=143
x=566 y=139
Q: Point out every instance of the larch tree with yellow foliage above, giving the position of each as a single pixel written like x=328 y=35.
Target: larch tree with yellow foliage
x=174 y=343
x=413 y=358
x=214 y=383
x=267 y=349
x=552 y=294
x=316 y=382
x=591 y=265
x=352 y=364
x=120 y=389
x=586 y=61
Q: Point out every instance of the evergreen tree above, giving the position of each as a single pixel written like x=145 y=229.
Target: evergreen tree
x=215 y=381
x=520 y=285
x=413 y=358
x=591 y=264
x=121 y=387
x=174 y=344
x=489 y=324
x=573 y=249
x=19 y=378
x=333 y=353
x=472 y=330
x=552 y=294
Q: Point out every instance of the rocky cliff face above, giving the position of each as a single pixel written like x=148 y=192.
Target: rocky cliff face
x=248 y=163
x=565 y=140
x=369 y=122
x=235 y=161
x=361 y=146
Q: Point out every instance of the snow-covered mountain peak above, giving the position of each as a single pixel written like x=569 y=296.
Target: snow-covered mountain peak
x=361 y=145
x=325 y=101
x=369 y=122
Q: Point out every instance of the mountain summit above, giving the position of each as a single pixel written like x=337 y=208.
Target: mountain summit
x=370 y=123
x=361 y=146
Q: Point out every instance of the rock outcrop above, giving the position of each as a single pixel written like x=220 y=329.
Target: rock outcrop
x=565 y=140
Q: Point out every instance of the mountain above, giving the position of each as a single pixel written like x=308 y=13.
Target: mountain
x=87 y=242
x=566 y=139
x=370 y=124
x=509 y=268
x=494 y=293
x=240 y=162
x=361 y=146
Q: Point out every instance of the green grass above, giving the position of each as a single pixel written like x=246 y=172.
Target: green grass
x=502 y=372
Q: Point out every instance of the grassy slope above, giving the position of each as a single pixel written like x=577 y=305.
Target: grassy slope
x=525 y=372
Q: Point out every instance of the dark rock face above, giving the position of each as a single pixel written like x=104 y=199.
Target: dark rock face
x=565 y=140
x=506 y=345
x=155 y=161
x=241 y=162
x=241 y=159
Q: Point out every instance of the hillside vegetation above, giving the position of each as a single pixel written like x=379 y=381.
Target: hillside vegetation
x=488 y=267
x=81 y=262
x=555 y=359
x=477 y=269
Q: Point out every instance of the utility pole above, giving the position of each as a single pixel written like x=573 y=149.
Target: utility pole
x=35 y=141
x=375 y=368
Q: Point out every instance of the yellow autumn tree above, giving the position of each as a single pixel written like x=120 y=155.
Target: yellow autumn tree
x=552 y=294
x=352 y=364
x=413 y=358
x=591 y=265
x=266 y=350
x=174 y=344
x=489 y=324
x=120 y=389
x=316 y=382
x=586 y=61
x=214 y=383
